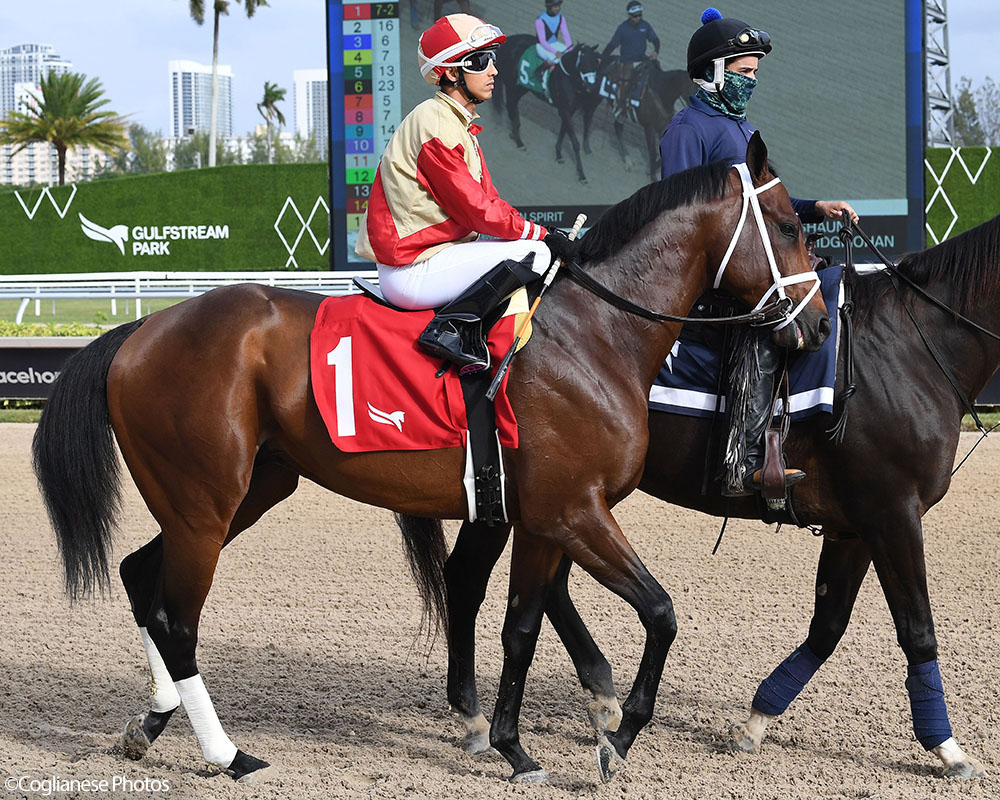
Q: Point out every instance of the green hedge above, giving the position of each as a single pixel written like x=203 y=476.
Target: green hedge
x=973 y=203
x=241 y=202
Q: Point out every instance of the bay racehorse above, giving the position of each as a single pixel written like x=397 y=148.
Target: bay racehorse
x=572 y=85
x=211 y=405
x=868 y=492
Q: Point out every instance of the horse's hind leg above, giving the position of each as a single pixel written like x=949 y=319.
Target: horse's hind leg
x=842 y=567
x=467 y=573
x=140 y=574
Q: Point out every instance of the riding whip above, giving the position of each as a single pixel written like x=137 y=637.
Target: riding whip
x=549 y=277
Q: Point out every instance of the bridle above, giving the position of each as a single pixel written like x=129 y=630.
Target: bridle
x=778 y=312
x=581 y=78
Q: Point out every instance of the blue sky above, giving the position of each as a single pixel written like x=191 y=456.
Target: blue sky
x=127 y=43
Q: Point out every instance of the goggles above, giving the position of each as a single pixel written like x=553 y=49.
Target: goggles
x=478 y=61
x=750 y=37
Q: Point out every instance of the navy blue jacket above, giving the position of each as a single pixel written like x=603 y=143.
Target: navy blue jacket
x=632 y=41
x=700 y=134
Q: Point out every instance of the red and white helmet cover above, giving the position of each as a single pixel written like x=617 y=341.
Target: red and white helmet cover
x=449 y=39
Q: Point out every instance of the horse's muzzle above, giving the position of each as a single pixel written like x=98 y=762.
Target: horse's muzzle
x=808 y=332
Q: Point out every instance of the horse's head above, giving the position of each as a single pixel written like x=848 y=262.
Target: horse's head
x=586 y=64
x=766 y=264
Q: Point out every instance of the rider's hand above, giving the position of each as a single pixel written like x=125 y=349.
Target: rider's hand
x=831 y=209
x=561 y=246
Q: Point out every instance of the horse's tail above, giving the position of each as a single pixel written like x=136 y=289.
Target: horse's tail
x=499 y=95
x=76 y=463
x=426 y=552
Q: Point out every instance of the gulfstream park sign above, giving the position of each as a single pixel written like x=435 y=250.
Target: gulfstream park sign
x=150 y=240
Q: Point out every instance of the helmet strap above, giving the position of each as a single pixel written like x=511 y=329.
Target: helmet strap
x=718 y=77
x=464 y=88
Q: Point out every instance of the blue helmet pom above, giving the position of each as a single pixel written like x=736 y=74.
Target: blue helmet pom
x=710 y=15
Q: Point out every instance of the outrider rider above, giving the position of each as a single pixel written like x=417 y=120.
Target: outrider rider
x=630 y=38
x=432 y=197
x=723 y=56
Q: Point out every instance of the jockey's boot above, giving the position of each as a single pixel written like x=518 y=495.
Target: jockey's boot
x=757 y=419
x=456 y=332
x=540 y=71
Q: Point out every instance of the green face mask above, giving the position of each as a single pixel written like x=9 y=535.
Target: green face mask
x=732 y=100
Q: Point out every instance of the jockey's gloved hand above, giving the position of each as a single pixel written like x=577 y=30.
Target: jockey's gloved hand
x=561 y=246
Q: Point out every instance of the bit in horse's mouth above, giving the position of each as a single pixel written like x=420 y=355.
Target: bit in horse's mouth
x=800 y=340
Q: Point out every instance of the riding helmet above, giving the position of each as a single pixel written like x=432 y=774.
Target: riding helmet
x=718 y=39
x=633 y=7
x=448 y=40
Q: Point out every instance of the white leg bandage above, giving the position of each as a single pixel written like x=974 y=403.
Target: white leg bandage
x=215 y=745
x=164 y=695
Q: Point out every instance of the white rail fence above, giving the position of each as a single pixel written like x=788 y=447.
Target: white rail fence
x=139 y=286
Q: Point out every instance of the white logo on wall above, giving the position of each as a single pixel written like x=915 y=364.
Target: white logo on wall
x=151 y=240
x=117 y=235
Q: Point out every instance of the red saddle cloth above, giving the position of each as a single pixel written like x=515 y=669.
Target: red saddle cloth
x=377 y=390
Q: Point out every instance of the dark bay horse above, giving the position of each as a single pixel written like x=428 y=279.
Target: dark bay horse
x=663 y=88
x=572 y=86
x=211 y=404
x=868 y=493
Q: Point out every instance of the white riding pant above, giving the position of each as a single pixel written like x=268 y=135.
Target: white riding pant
x=547 y=55
x=449 y=272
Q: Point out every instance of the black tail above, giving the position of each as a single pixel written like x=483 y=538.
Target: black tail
x=426 y=552
x=76 y=463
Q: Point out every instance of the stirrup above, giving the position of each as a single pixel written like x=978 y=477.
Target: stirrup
x=445 y=340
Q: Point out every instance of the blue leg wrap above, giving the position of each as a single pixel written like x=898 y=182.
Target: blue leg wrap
x=784 y=684
x=930 y=715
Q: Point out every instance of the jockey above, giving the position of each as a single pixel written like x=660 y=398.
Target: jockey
x=631 y=38
x=432 y=197
x=723 y=58
x=549 y=25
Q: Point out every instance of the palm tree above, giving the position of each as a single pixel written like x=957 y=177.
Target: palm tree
x=268 y=107
x=197 y=8
x=66 y=115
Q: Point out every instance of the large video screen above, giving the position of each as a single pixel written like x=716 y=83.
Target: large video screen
x=838 y=103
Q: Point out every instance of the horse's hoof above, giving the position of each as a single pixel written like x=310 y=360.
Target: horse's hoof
x=476 y=743
x=560 y=160
x=966 y=770
x=605 y=714
x=741 y=741
x=535 y=776
x=134 y=742
x=608 y=761
x=243 y=766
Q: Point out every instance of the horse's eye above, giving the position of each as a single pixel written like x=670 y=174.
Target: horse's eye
x=789 y=230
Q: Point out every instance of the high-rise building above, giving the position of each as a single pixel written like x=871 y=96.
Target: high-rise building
x=22 y=68
x=191 y=99
x=26 y=64
x=312 y=115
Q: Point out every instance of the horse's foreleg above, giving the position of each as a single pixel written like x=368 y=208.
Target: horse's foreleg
x=899 y=561
x=566 y=129
x=620 y=139
x=591 y=666
x=533 y=567
x=598 y=545
x=588 y=118
x=513 y=111
x=842 y=567
x=467 y=573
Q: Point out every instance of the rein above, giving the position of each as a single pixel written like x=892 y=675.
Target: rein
x=776 y=312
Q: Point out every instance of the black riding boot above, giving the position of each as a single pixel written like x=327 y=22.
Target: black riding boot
x=759 y=402
x=456 y=332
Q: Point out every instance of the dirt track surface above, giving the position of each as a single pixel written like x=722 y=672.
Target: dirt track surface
x=309 y=647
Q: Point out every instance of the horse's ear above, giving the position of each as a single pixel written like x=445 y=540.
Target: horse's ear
x=757 y=156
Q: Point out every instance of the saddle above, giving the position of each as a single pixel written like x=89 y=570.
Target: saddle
x=484 y=473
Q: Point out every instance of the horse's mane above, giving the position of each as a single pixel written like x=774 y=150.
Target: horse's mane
x=967 y=264
x=620 y=223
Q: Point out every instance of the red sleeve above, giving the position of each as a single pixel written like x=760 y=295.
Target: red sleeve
x=477 y=206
